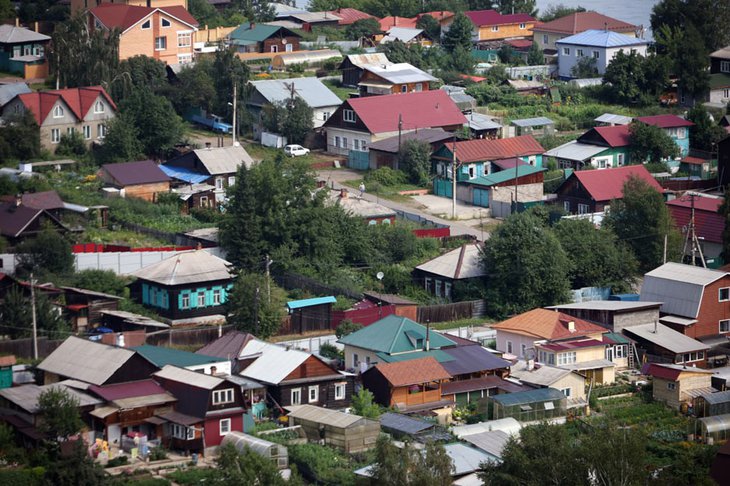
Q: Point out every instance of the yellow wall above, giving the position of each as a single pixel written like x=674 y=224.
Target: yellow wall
x=505 y=31
x=138 y=41
x=213 y=35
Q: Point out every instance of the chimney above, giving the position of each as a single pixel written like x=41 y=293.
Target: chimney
x=656 y=324
x=207 y=145
x=571 y=326
x=343 y=193
x=530 y=364
x=120 y=339
x=213 y=370
x=428 y=335
x=17 y=21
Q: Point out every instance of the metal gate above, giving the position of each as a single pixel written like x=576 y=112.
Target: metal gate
x=480 y=197
x=358 y=160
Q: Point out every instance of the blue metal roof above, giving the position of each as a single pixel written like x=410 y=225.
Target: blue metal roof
x=601 y=38
x=184 y=174
x=298 y=304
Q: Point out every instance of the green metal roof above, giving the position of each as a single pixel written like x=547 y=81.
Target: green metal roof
x=504 y=175
x=437 y=354
x=160 y=356
x=259 y=33
x=395 y=334
x=531 y=396
x=617 y=338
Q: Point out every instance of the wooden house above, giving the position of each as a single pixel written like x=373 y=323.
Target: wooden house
x=599 y=148
x=353 y=66
x=344 y=431
x=23 y=52
x=675 y=385
x=659 y=343
x=85 y=307
x=440 y=275
x=162 y=356
x=385 y=153
x=614 y=315
x=403 y=307
x=490 y=25
x=143 y=179
x=251 y=37
x=572 y=383
x=18 y=222
x=229 y=346
x=392 y=79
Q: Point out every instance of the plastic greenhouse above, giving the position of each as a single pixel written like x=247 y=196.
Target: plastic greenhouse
x=270 y=450
x=539 y=404
x=715 y=428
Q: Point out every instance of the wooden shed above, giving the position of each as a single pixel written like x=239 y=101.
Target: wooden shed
x=311 y=314
x=351 y=433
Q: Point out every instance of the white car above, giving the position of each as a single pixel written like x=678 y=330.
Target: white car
x=295 y=150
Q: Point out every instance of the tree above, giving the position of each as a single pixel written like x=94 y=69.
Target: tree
x=650 y=143
x=525 y=265
x=47 y=253
x=430 y=27
x=414 y=158
x=7 y=11
x=20 y=137
x=256 y=305
x=159 y=128
x=585 y=68
x=460 y=61
x=636 y=79
x=362 y=28
x=597 y=258
x=363 y=404
x=535 y=56
x=642 y=220
x=60 y=412
x=507 y=7
x=459 y=34
x=246 y=467
x=347 y=327
x=105 y=281
x=691 y=64
x=508 y=55
x=71 y=144
x=240 y=229
x=138 y=72
x=293 y=119
x=556 y=11
x=709 y=17
x=227 y=70
x=705 y=134
x=408 y=466
x=121 y=143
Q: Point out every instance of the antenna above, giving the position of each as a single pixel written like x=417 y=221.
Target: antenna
x=691 y=241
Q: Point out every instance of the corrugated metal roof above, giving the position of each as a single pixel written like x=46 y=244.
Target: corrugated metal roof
x=590 y=365
x=541 y=375
x=460 y=263
x=491 y=442
x=709 y=223
x=465 y=459
x=10 y=34
x=388 y=335
x=438 y=354
x=412 y=372
x=180 y=418
x=609 y=305
x=602 y=38
x=223 y=160
x=547 y=324
x=26 y=396
x=103 y=412
x=133 y=173
x=492 y=17
x=679 y=286
x=192 y=378
x=575 y=150
x=428 y=135
x=228 y=346
x=477 y=121
x=666 y=338
x=184 y=174
x=665 y=121
x=350 y=15
x=185 y=268
x=326 y=416
x=74 y=358
x=533 y=122
x=504 y=175
x=403 y=34
x=11 y=90
x=298 y=304
x=273 y=362
x=608 y=184
x=718 y=397
x=580 y=21
x=127 y=389
x=256 y=33
x=314 y=17
x=309 y=89
x=400 y=73
x=509 y=425
x=530 y=396
x=144 y=401
x=504 y=148
x=472 y=359
x=362 y=60
x=682 y=321
x=160 y=356
x=404 y=423
x=613 y=119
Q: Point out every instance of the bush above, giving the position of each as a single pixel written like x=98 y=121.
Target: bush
x=117 y=461
x=71 y=144
x=386 y=176
x=158 y=454
x=330 y=351
x=322 y=465
x=347 y=327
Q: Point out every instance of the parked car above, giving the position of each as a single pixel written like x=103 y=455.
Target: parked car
x=295 y=150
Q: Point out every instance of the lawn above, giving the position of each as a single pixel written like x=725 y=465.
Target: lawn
x=386 y=192
x=342 y=92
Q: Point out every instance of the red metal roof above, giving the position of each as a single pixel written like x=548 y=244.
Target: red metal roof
x=350 y=15
x=503 y=148
x=141 y=388
x=415 y=371
x=582 y=21
x=665 y=121
x=708 y=222
x=492 y=17
x=548 y=324
x=616 y=136
x=438 y=15
x=387 y=22
x=123 y=17
x=425 y=109
x=78 y=100
x=693 y=160
x=607 y=184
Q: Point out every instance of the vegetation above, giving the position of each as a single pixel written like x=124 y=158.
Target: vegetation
x=47 y=253
x=650 y=143
x=706 y=133
x=347 y=327
x=17 y=317
x=585 y=68
x=20 y=138
x=60 y=412
x=363 y=404
x=408 y=466
x=256 y=305
x=293 y=120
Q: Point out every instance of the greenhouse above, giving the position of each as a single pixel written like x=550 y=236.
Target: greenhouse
x=526 y=406
x=270 y=450
x=715 y=428
x=309 y=58
x=710 y=404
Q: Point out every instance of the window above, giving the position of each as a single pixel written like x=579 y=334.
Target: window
x=337 y=141
x=419 y=86
x=100 y=130
x=545 y=39
x=296 y=396
x=404 y=88
x=583 y=209
x=437 y=289
x=221 y=397
x=16 y=52
x=289 y=48
x=55 y=135
x=340 y=389
x=225 y=426
x=364 y=145
x=619 y=351
x=219 y=183
x=566 y=206
x=566 y=358
x=620 y=159
x=566 y=51
x=184 y=39
x=325 y=115
x=671 y=386
x=164 y=22
x=566 y=391
x=70 y=130
x=231 y=181
x=184 y=58
x=427 y=285
x=356 y=144
x=495 y=28
x=313 y=394
x=509 y=347
x=185 y=301
x=725 y=66
x=681 y=133
x=522 y=26
x=724 y=294
x=87 y=132
x=348 y=116
x=160 y=43
x=447 y=285
x=523 y=350
x=355 y=360
x=472 y=171
x=147 y=24
x=344 y=142
x=216 y=297
x=596 y=54
x=274 y=48
x=182 y=432
x=725 y=326
x=726 y=93
x=579 y=52
x=99 y=107
x=58 y=111
x=201 y=299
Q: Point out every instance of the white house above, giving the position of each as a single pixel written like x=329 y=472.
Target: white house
x=602 y=45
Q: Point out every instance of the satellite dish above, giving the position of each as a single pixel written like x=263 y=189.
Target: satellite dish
x=380 y=275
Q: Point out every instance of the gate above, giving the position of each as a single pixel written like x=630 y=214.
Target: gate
x=480 y=197
x=358 y=160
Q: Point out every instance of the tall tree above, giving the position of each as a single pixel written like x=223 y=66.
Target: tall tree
x=555 y=11
x=408 y=466
x=650 y=143
x=414 y=158
x=17 y=320
x=507 y=7
x=240 y=228
x=20 y=137
x=632 y=78
x=159 y=127
x=459 y=33
x=710 y=18
x=691 y=64
x=642 y=221
x=706 y=133
x=299 y=120
x=47 y=253
x=138 y=72
x=367 y=28
x=122 y=143
x=256 y=305
x=525 y=265
x=7 y=11
x=60 y=412
x=226 y=71
x=430 y=27
x=535 y=56
x=194 y=89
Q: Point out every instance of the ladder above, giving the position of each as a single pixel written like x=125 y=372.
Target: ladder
x=633 y=357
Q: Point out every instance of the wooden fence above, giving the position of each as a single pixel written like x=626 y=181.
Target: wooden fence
x=198 y=336
x=23 y=348
x=451 y=312
x=293 y=281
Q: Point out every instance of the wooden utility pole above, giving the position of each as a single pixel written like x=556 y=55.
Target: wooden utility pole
x=268 y=263
x=33 y=312
x=235 y=100
x=453 y=180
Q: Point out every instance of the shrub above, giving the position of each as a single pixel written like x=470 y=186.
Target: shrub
x=386 y=176
x=117 y=461
x=330 y=351
x=158 y=454
x=347 y=327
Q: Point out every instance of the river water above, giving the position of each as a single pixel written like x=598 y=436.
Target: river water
x=637 y=12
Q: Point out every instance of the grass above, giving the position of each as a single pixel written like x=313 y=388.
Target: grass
x=120 y=237
x=342 y=92
x=474 y=321
x=386 y=192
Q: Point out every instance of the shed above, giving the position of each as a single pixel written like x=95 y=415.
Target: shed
x=310 y=58
x=711 y=404
x=399 y=426
x=311 y=314
x=277 y=453
x=351 y=433
x=534 y=126
x=526 y=406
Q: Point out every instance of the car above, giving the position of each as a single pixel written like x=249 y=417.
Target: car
x=295 y=150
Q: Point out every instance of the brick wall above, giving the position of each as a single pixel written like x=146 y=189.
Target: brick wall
x=712 y=311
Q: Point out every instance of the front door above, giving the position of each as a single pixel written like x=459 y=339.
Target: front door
x=609 y=354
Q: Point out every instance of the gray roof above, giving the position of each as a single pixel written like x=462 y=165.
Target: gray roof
x=325 y=416
x=311 y=90
x=491 y=442
x=541 y=375
x=666 y=337
x=464 y=458
x=361 y=207
x=575 y=150
x=463 y=262
x=192 y=378
x=26 y=396
x=185 y=268
x=223 y=160
x=314 y=17
x=362 y=60
x=590 y=365
x=86 y=360
x=9 y=34
x=609 y=305
x=272 y=363
x=719 y=397
x=400 y=73
x=403 y=34
x=601 y=38
x=679 y=286
x=531 y=396
x=722 y=53
x=533 y=122
x=428 y=135
x=477 y=121
x=404 y=423
x=509 y=425
x=11 y=90
x=613 y=119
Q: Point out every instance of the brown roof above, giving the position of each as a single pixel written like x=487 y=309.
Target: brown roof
x=133 y=173
x=14 y=219
x=391 y=299
x=547 y=324
x=582 y=21
x=413 y=372
x=484 y=383
x=42 y=200
x=228 y=346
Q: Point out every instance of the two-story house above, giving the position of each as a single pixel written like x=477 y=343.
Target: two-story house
x=393 y=78
x=720 y=77
x=162 y=33
x=675 y=126
x=251 y=37
x=601 y=45
x=58 y=112
x=23 y=52
x=490 y=25
x=599 y=148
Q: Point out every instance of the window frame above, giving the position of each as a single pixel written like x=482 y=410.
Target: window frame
x=227 y=422
x=523 y=26
x=185 y=301
x=495 y=28
x=162 y=23
x=224 y=396
x=58 y=111
x=313 y=397
x=298 y=393
x=671 y=386
x=201 y=297
x=596 y=54
x=217 y=294
x=181 y=36
x=147 y=25
x=349 y=116
x=720 y=323
x=87 y=132
x=566 y=51
x=566 y=391
x=161 y=43
x=99 y=107
x=100 y=131
x=720 y=292
x=55 y=135
x=343 y=388
x=725 y=66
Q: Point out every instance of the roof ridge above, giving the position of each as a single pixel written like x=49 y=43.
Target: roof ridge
x=397 y=332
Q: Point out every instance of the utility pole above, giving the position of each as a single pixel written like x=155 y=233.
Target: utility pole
x=517 y=165
x=268 y=262
x=453 y=180
x=691 y=241
x=400 y=130
x=35 y=323
x=235 y=99
x=256 y=313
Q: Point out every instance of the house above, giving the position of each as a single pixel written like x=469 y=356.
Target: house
x=130 y=407
x=86 y=4
x=9 y=91
x=490 y=25
x=490 y=170
x=676 y=385
x=353 y=66
x=358 y=122
x=280 y=91
x=534 y=126
x=23 y=52
x=601 y=45
x=264 y=38
x=294 y=377
x=161 y=356
x=540 y=375
x=483 y=126
x=548 y=33
x=525 y=87
x=185 y=287
x=443 y=275
x=94 y=363
x=393 y=78
x=196 y=196
x=614 y=315
x=84 y=307
x=697 y=168
x=591 y=191
x=600 y=148
x=48 y=200
x=18 y=222
x=314 y=314
x=720 y=77
x=709 y=223
x=557 y=339
x=207 y=408
x=403 y=307
x=696 y=300
x=213 y=166
x=308 y=20
x=349 y=16
x=466 y=103
x=659 y=343
x=348 y=432
x=385 y=153
x=142 y=180
x=229 y=346
x=675 y=126
x=57 y=112
x=408 y=386
x=372 y=212
x=162 y=33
